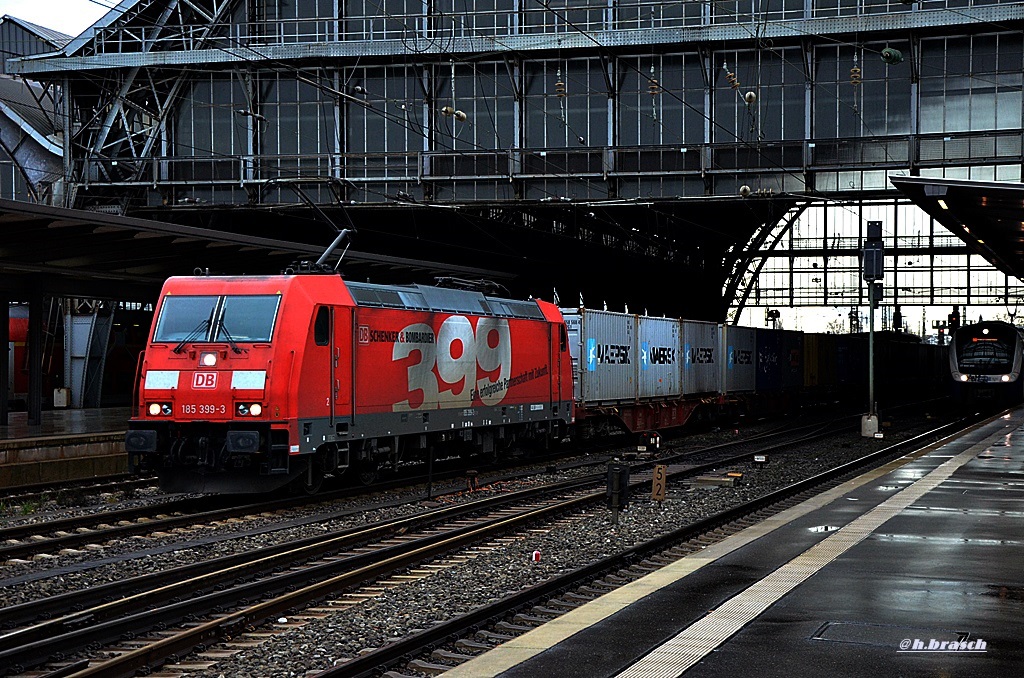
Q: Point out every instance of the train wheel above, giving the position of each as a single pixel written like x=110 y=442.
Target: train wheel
x=367 y=471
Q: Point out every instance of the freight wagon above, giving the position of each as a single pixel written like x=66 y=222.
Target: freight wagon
x=644 y=373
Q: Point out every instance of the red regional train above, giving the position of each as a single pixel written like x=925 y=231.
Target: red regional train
x=252 y=383
x=17 y=356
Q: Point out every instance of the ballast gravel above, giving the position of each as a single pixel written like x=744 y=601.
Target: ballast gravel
x=492 y=572
x=507 y=568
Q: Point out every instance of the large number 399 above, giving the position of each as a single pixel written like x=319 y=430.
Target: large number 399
x=467 y=362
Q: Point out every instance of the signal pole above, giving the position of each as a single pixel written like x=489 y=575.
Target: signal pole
x=873 y=261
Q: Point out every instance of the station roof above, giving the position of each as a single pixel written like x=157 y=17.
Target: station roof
x=79 y=253
x=667 y=254
x=987 y=215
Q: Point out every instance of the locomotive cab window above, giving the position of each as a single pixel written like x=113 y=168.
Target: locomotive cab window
x=248 y=318
x=322 y=326
x=182 y=317
x=237 y=318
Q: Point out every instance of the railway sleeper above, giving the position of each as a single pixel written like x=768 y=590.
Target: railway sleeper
x=445 y=655
x=472 y=645
x=512 y=628
x=592 y=592
x=606 y=585
x=647 y=567
x=663 y=559
x=530 y=620
x=621 y=577
x=428 y=667
x=547 y=611
x=497 y=638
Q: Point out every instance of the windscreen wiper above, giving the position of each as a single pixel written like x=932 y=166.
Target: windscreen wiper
x=227 y=335
x=193 y=335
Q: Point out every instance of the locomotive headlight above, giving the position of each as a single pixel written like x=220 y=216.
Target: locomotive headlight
x=964 y=377
x=249 y=409
x=1005 y=377
x=208 y=359
x=159 y=409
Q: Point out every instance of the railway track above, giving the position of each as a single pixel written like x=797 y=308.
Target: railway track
x=435 y=651
x=284 y=577
x=73 y=490
x=66 y=536
x=48 y=537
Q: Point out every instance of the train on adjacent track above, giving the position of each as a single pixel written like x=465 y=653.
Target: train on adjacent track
x=985 y=361
x=17 y=355
x=252 y=383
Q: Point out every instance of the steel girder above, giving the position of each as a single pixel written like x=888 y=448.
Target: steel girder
x=134 y=104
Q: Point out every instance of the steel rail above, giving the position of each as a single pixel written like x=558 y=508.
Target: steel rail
x=190 y=516
x=368 y=567
x=54 y=607
x=376 y=662
x=115 y=598
x=87 y=628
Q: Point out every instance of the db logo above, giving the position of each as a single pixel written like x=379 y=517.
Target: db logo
x=364 y=334
x=204 y=380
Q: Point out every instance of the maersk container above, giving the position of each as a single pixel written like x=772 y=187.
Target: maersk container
x=739 y=346
x=658 y=364
x=606 y=356
x=701 y=357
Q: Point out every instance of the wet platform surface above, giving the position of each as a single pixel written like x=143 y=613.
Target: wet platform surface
x=869 y=580
x=58 y=423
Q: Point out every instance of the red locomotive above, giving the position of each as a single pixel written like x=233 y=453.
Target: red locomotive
x=250 y=383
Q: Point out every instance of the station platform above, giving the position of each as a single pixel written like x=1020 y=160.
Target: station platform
x=914 y=569
x=66 y=422
x=67 y=444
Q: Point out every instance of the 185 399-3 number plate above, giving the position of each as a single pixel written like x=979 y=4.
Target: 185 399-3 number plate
x=202 y=409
